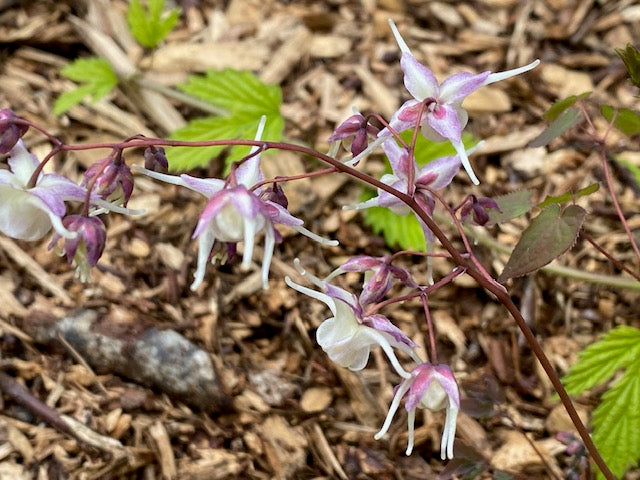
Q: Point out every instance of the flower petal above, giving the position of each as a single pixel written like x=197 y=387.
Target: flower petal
x=438 y=172
x=458 y=86
x=22 y=163
x=496 y=77
x=418 y=79
x=205 y=244
x=401 y=162
x=248 y=174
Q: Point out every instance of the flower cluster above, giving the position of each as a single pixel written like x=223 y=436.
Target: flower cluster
x=244 y=204
x=237 y=209
x=352 y=331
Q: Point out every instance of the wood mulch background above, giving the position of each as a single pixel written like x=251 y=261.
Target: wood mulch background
x=228 y=381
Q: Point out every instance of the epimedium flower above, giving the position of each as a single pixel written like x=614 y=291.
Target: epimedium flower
x=237 y=212
x=27 y=212
x=379 y=272
x=433 y=387
x=434 y=175
x=443 y=117
x=87 y=246
x=349 y=335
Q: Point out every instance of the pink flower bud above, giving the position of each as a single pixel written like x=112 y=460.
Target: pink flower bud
x=477 y=207
x=358 y=127
x=155 y=159
x=113 y=179
x=10 y=132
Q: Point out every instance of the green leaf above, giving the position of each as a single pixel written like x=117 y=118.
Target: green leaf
x=627 y=121
x=512 y=205
x=96 y=79
x=150 y=27
x=238 y=92
x=598 y=362
x=631 y=58
x=561 y=124
x=561 y=105
x=616 y=422
x=635 y=170
x=187 y=158
x=405 y=231
x=549 y=235
x=245 y=99
x=569 y=196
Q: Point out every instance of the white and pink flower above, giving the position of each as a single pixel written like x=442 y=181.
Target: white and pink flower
x=433 y=387
x=237 y=212
x=28 y=211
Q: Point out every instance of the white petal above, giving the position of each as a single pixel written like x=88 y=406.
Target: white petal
x=249 y=239
x=411 y=420
x=313 y=236
x=395 y=403
x=313 y=294
x=401 y=43
x=269 y=245
x=381 y=340
x=496 y=77
x=22 y=163
x=205 y=244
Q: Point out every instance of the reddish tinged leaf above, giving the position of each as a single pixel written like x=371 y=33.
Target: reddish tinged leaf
x=549 y=235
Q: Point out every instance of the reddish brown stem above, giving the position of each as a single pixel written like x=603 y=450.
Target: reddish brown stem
x=488 y=283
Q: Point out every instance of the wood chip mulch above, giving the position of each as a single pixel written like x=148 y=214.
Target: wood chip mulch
x=228 y=382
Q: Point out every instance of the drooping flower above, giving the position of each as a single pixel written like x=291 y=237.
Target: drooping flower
x=237 y=212
x=87 y=247
x=434 y=175
x=349 y=335
x=379 y=272
x=433 y=387
x=443 y=117
x=113 y=180
x=358 y=127
x=27 y=212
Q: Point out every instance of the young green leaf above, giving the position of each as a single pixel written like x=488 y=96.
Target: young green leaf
x=564 y=122
x=569 y=196
x=549 y=235
x=426 y=150
x=96 y=79
x=150 y=27
x=599 y=361
x=511 y=205
x=627 y=121
x=245 y=99
x=631 y=58
x=616 y=422
x=398 y=231
x=561 y=105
